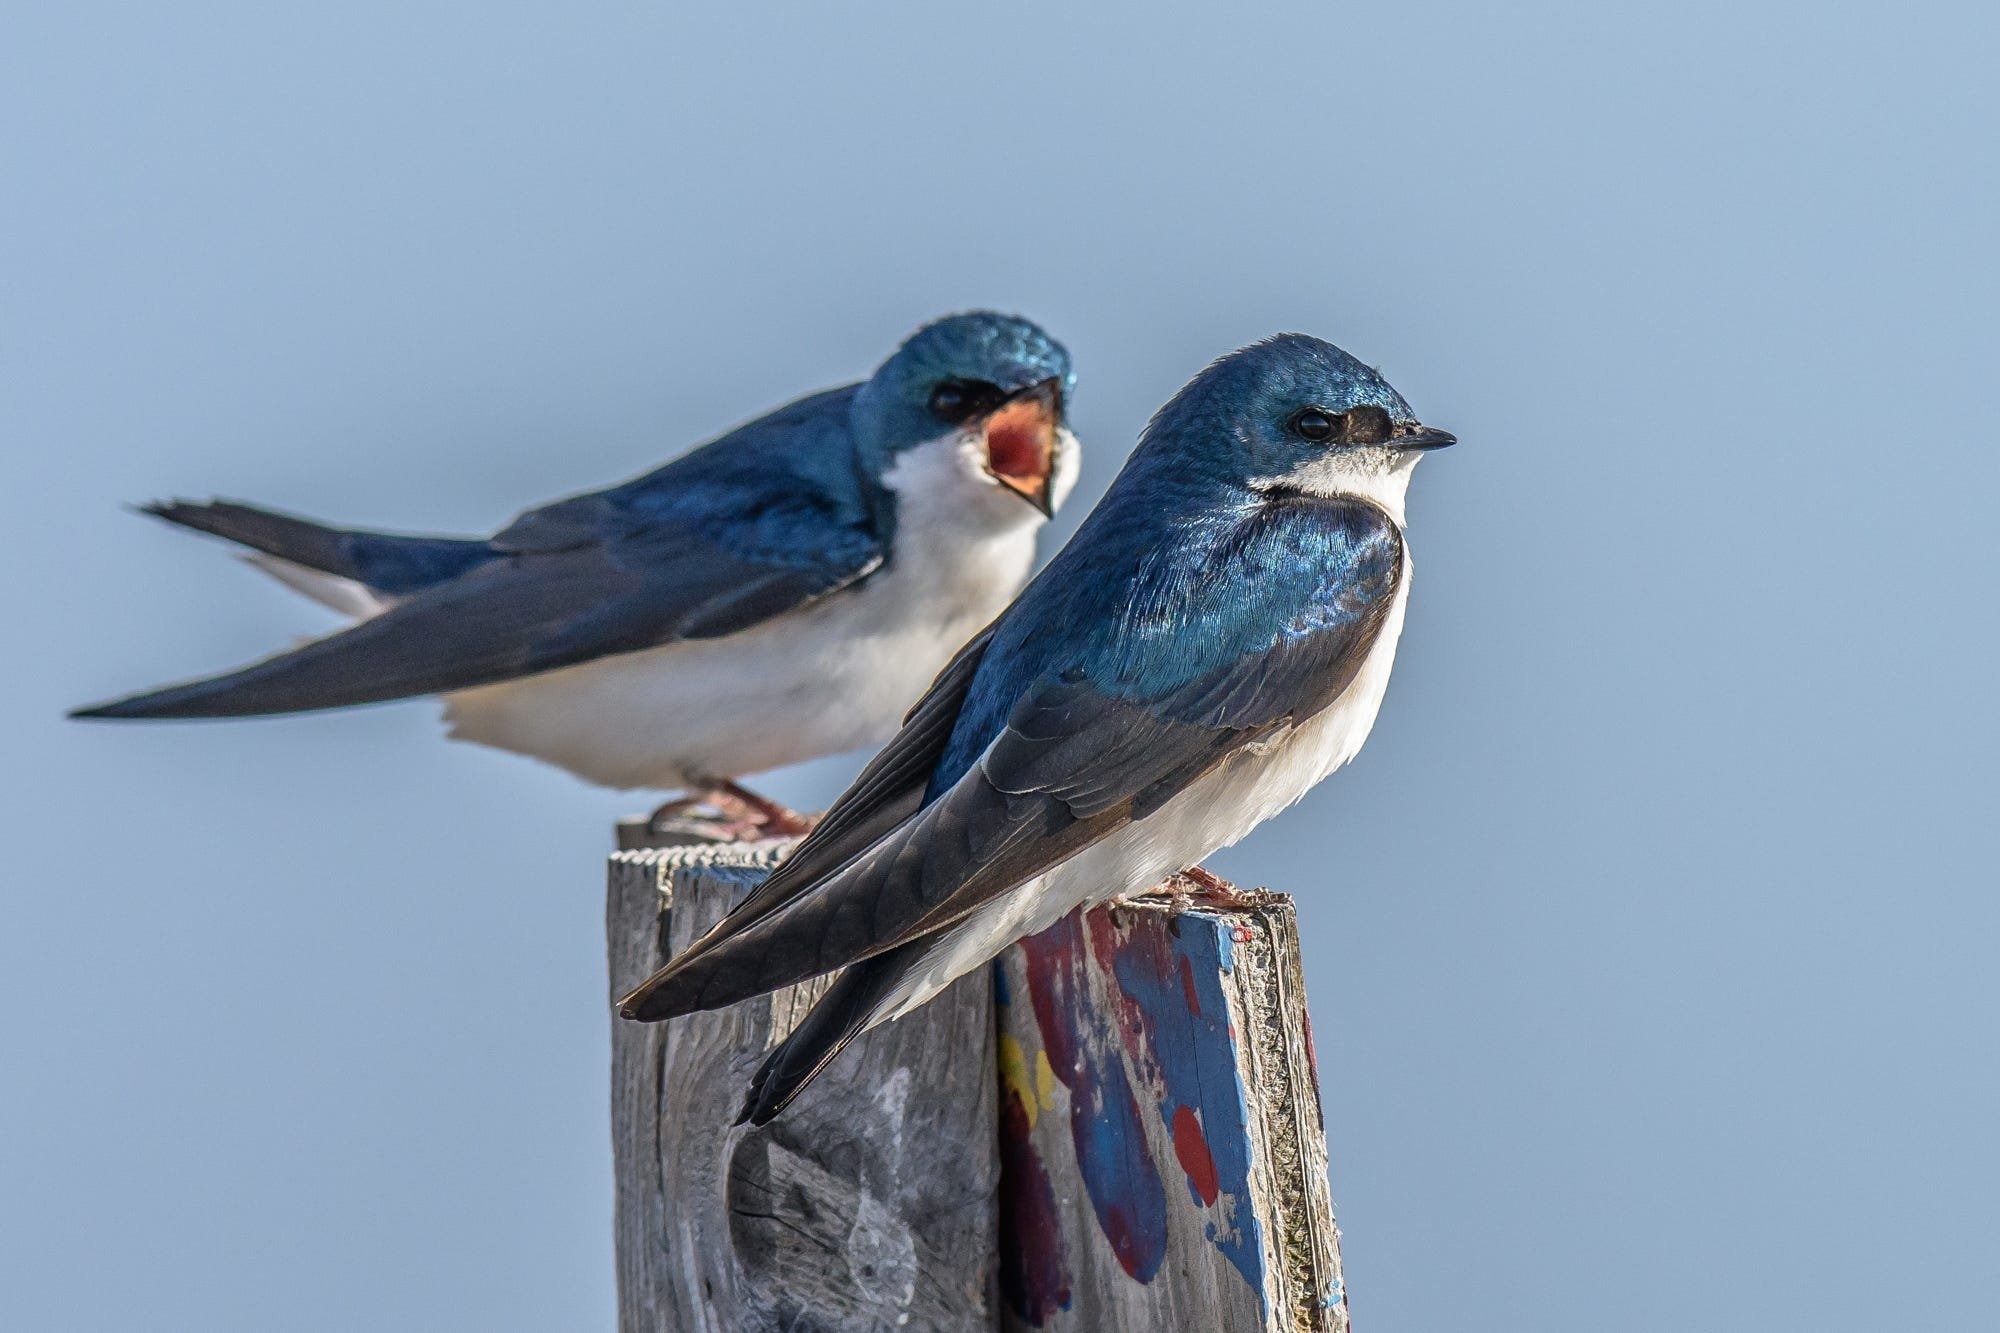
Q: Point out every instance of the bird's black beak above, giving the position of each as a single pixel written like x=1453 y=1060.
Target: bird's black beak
x=1021 y=443
x=1414 y=439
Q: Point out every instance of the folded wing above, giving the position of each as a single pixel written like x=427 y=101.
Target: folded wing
x=586 y=578
x=1085 y=748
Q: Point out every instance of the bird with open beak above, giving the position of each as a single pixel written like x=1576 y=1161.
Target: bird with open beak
x=1019 y=435
x=781 y=593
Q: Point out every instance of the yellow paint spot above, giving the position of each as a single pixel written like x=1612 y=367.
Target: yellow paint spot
x=1014 y=1073
x=1045 y=1081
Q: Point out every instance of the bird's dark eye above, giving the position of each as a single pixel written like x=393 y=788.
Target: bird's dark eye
x=1313 y=424
x=955 y=401
x=1368 y=424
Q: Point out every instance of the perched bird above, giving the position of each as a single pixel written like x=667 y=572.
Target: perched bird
x=1214 y=640
x=781 y=593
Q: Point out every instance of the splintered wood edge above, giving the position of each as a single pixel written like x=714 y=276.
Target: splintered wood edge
x=666 y=862
x=1287 y=1102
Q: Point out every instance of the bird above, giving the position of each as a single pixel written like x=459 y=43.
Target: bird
x=781 y=593
x=1213 y=641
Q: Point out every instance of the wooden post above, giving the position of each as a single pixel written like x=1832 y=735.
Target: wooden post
x=1153 y=1159
x=868 y=1205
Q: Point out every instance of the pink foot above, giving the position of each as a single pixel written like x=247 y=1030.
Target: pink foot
x=1212 y=890
x=777 y=821
x=727 y=812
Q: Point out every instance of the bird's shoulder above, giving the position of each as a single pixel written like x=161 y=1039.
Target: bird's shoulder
x=783 y=489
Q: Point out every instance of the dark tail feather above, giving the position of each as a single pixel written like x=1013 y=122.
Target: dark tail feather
x=841 y=1015
x=389 y=562
x=299 y=540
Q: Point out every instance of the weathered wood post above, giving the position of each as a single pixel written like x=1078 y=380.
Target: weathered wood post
x=1115 y=1129
x=868 y=1205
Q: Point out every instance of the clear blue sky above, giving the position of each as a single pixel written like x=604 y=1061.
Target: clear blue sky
x=1651 y=939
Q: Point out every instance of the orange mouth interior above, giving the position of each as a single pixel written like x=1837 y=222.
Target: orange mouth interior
x=1021 y=443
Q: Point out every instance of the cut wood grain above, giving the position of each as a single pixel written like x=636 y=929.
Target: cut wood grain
x=868 y=1205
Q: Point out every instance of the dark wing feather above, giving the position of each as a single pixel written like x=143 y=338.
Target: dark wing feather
x=841 y=1015
x=887 y=792
x=1067 y=771
x=637 y=584
x=1073 y=763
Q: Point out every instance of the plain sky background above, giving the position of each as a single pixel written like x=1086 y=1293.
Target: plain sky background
x=1651 y=938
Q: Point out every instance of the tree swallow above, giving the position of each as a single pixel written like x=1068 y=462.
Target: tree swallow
x=781 y=593
x=1214 y=640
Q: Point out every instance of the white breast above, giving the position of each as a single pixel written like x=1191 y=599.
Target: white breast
x=830 y=678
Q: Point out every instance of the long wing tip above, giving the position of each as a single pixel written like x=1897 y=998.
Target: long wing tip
x=632 y=1007
x=763 y=1103
x=656 y=999
x=110 y=710
x=199 y=699
x=175 y=509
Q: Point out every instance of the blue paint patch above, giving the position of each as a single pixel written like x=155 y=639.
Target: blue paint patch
x=1225 y=944
x=1173 y=985
x=1112 y=1154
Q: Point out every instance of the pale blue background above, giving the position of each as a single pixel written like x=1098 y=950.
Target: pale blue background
x=1651 y=940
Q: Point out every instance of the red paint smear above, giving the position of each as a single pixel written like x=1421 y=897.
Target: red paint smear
x=1196 y=1159
x=1032 y=1276
x=1144 y=948
x=1187 y=987
x=1052 y=960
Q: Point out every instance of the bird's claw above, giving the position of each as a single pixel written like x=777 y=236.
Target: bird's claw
x=727 y=812
x=1196 y=886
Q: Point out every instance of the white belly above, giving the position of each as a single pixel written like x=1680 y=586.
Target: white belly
x=1215 y=812
x=830 y=678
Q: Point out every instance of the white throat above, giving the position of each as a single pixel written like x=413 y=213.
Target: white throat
x=1380 y=476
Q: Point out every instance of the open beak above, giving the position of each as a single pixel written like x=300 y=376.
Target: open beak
x=1416 y=438
x=1021 y=443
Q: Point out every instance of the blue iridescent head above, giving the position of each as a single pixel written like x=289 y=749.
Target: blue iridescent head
x=996 y=382
x=1295 y=411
